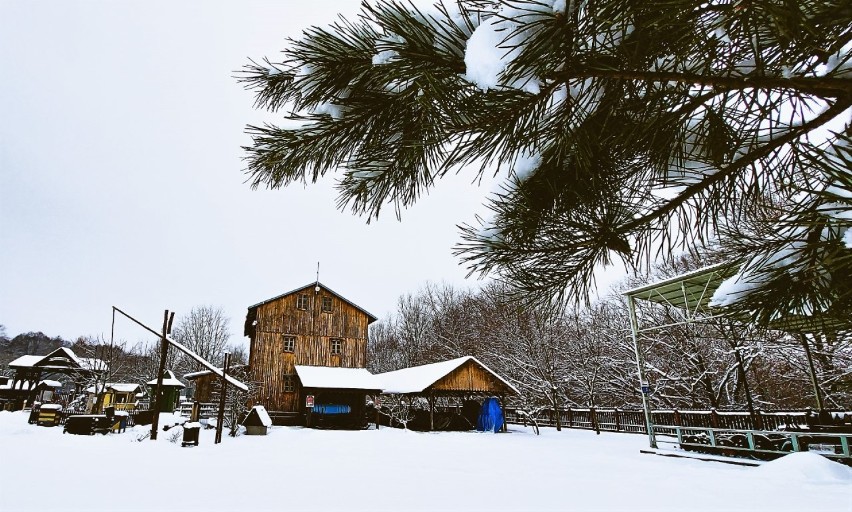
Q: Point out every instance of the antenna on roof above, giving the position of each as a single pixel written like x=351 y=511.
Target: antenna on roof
x=317 y=288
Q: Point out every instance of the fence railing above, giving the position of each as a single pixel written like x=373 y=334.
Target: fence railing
x=666 y=420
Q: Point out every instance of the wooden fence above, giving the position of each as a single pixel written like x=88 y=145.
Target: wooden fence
x=667 y=420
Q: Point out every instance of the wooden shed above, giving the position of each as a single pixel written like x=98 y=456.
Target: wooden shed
x=204 y=382
x=462 y=377
x=171 y=387
x=338 y=395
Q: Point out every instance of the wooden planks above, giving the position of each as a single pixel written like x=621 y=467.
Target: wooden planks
x=313 y=329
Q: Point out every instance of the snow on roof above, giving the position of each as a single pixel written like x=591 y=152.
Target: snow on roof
x=262 y=415
x=87 y=363
x=417 y=378
x=25 y=361
x=335 y=377
x=51 y=383
x=195 y=375
x=169 y=379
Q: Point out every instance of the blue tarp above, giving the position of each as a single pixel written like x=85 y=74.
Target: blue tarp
x=490 y=416
x=331 y=409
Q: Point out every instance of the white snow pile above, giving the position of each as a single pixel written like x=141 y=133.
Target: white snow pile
x=496 y=43
x=805 y=467
x=391 y=469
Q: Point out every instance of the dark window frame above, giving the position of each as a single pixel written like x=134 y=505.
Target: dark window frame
x=336 y=346
x=327 y=304
x=288 y=339
x=302 y=301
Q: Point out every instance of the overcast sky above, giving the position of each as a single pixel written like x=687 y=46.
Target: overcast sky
x=121 y=180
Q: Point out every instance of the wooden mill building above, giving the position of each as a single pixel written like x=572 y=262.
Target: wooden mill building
x=311 y=326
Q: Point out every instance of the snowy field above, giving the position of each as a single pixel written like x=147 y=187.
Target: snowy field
x=302 y=469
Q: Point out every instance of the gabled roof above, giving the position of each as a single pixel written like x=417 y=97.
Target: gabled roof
x=370 y=316
x=60 y=358
x=258 y=417
x=169 y=379
x=332 y=377
x=419 y=378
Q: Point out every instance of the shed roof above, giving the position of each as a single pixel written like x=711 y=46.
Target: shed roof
x=418 y=379
x=337 y=378
x=119 y=387
x=202 y=373
x=370 y=316
x=169 y=379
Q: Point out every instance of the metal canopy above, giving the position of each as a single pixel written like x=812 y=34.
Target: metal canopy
x=691 y=291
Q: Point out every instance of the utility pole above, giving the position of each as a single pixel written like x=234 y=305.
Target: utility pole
x=164 y=351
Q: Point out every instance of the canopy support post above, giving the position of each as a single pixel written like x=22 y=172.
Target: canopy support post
x=640 y=364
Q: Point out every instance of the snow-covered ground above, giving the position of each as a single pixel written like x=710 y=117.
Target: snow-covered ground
x=302 y=469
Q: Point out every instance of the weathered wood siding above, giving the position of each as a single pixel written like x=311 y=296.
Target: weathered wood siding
x=204 y=388
x=471 y=377
x=313 y=329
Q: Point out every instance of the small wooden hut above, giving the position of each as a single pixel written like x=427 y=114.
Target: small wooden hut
x=257 y=421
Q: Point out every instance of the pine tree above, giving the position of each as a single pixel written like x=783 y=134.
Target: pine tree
x=625 y=131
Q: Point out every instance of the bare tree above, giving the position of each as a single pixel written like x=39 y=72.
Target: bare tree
x=206 y=331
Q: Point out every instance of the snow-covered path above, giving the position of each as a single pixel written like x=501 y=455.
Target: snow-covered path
x=388 y=469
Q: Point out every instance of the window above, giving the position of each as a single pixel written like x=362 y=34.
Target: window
x=289 y=383
x=302 y=302
x=336 y=346
x=289 y=343
x=326 y=304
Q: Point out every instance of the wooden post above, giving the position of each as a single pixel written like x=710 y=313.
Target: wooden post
x=158 y=389
x=503 y=404
x=570 y=418
x=431 y=411
x=594 y=417
x=220 y=419
x=714 y=418
x=617 y=420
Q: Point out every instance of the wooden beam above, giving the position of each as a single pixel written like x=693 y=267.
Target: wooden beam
x=203 y=362
x=158 y=389
x=223 y=391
